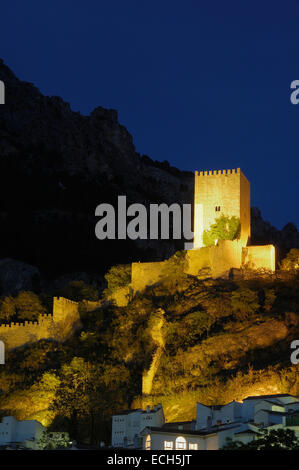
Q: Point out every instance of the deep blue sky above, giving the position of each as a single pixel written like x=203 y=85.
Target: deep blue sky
x=202 y=84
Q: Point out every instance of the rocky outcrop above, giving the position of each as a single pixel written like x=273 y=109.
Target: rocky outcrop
x=263 y=233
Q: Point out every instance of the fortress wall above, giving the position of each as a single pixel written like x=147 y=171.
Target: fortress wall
x=146 y=274
x=149 y=375
x=91 y=305
x=220 y=259
x=226 y=255
x=198 y=259
x=64 y=307
x=59 y=326
x=18 y=334
x=259 y=257
x=66 y=318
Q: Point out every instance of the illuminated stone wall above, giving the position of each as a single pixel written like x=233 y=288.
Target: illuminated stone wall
x=218 y=259
x=259 y=257
x=57 y=326
x=157 y=337
x=227 y=189
x=146 y=274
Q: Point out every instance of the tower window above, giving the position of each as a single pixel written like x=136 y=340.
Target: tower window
x=217 y=209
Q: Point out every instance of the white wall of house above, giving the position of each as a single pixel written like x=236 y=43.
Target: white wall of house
x=211 y=416
x=162 y=440
x=170 y=441
x=14 y=431
x=125 y=427
x=268 y=405
x=249 y=404
x=203 y=413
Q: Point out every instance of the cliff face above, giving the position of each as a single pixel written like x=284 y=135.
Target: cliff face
x=56 y=166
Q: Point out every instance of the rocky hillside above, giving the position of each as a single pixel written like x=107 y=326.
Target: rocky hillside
x=57 y=165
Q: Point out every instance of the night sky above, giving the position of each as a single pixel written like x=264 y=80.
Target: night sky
x=202 y=84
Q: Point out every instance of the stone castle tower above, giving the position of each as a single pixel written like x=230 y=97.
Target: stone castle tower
x=220 y=192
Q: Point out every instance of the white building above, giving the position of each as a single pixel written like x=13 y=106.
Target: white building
x=127 y=425
x=214 y=424
x=252 y=409
x=22 y=433
x=176 y=439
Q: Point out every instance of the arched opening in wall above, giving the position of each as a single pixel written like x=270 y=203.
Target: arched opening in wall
x=180 y=443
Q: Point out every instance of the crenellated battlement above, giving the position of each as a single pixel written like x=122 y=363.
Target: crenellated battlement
x=233 y=171
x=58 y=325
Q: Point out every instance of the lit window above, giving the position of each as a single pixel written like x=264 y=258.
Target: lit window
x=148 y=442
x=180 y=443
x=168 y=445
x=193 y=446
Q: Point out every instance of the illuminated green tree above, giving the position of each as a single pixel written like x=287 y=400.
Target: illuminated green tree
x=224 y=228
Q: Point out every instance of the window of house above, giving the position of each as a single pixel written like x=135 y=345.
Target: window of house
x=168 y=445
x=217 y=209
x=180 y=443
x=148 y=442
x=193 y=446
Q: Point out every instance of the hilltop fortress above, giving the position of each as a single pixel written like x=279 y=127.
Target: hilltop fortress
x=216 y=193
x=58 y=326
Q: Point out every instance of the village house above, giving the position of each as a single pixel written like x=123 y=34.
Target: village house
x=239 y=421
x=25 y=434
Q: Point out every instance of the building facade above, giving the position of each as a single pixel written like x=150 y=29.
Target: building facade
x=20 y=433
x=127 y=425
x=214 y=425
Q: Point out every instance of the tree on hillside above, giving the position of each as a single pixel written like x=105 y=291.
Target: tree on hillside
x=244 y=302
x=7 y=309
x=88 y=392
x=291 y=261
x=224 y=228
x=78 y=290
x=117 y=276
x=28 y=306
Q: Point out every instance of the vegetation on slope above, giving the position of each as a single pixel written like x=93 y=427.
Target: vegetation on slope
x=224 y=339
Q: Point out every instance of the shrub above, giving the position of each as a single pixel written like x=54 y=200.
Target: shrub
x=291 y=261
x=225 y=228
